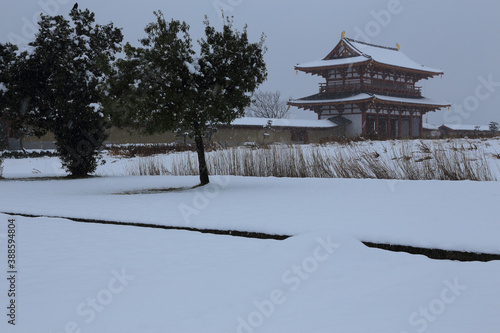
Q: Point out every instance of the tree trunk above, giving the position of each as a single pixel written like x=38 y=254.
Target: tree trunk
x=200 y=149
x=21 y=144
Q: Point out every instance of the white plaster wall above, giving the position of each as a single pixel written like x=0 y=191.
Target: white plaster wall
x=356 y=128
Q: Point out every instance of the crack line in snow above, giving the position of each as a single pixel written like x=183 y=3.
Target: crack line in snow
x=236 y=233
x=437 y=254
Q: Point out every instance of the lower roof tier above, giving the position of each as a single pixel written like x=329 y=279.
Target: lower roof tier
x=314 y=101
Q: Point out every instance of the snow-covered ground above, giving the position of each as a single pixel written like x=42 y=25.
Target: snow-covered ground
x=434 y=214
x=83 y=277
x=75 y=277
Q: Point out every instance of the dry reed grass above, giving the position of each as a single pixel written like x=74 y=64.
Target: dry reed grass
x=147 y=166
x=396 y=160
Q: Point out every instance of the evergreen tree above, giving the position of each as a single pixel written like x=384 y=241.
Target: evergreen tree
x=163 y=85
x=57 y=85
x=494 y=128
x=7 y=59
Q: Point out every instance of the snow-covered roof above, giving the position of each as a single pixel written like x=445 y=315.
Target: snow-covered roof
x=332 y=62
x=457 y=127
x=380 y=54
x=423 y=100
x=365 y=96
x=253 y=121
x=354 y=98
x=429 y=126
x=388 y=56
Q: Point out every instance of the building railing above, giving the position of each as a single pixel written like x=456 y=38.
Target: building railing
x=374 y=87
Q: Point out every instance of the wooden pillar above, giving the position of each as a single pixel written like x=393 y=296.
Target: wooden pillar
x=411 y=125
x=363 y=120
x=361 y=73
x=376 y=123
x=388 y=124
x=421 y=125
x=400 y=126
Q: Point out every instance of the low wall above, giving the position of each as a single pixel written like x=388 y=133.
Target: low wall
x=225 y=135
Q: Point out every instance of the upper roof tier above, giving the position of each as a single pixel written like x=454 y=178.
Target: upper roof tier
x=349 y=51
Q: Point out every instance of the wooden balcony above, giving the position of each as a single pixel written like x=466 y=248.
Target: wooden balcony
x=373 y=87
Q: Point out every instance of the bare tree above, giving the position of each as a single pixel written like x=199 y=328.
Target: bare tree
x=268 y=105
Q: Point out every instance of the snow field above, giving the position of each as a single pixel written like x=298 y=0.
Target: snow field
x=431 y=214
x=77 y=277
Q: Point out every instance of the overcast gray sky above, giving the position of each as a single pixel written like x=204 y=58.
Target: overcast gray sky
x=461 y=37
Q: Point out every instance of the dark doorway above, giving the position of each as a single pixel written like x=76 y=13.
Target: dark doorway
x=394 y=127
x=405 y=128
x=382 y=126
x=370 y=125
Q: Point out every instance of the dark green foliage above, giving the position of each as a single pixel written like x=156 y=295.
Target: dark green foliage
x=153 y=80
x=56 y=86
x=494 y=128
x=78 y=144
x=4 y=142
x=133 y=150
x=163 y=86
x=230 y=69
x=19 y=154
x=7 y=58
